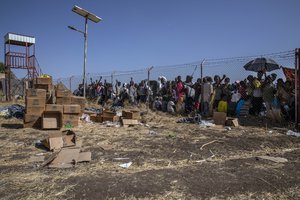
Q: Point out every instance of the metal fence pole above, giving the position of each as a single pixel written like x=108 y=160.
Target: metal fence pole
x=297 y=87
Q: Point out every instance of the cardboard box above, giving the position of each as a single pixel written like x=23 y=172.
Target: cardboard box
x=129 y=122
x=96 y=118
x=219 y=118
x=57 y=140
x=63 y=93
x=44 y=87
x=107 y=113
x=54 y=107
x=35 y=101
x=51 y=120
x=35 y=110
x=63 y=100
x=32 y=121
x=111 y=119
x=40 y=93
x=72 y=109
x=44 y=80
x=131 y=114
x=232 y=122
x=71 y=119
x=78 y=100
x=60 y=86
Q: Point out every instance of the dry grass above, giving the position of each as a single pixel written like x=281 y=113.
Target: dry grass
x=173 y=147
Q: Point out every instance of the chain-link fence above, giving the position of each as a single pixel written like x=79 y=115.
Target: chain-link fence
x=231 y=67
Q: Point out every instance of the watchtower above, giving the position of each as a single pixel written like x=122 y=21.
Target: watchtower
x=20 y=54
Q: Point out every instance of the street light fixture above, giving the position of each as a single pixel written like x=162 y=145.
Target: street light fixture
x=87 y=15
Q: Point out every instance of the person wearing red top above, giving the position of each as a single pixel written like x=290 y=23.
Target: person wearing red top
x=179 y=94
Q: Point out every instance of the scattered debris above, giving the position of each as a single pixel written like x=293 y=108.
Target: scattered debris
x=67 y=150
x=274 y=159
x=126 y=165
x=293 y=133
x=14 y=110
x=152 y=132
x=118 y=159
x=194 y=120
x=227 y=128
x=85 y=117
x=37 y=158
x=201 y=148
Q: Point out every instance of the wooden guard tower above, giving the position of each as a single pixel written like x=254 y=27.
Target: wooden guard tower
x=19 y=53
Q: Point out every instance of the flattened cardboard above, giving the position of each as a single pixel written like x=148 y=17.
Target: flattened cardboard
x=65 y=158
x=219 y=118
x=72 y=109
x=85 y=157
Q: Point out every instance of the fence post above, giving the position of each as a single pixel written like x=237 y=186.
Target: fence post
x=297 y=89
x=148 y=83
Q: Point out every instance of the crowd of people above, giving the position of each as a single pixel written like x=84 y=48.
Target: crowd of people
x=256 y=95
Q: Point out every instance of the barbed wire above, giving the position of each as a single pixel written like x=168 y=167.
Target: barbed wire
x=229 y=65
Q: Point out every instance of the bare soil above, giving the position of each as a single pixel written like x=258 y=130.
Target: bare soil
x=169 y=161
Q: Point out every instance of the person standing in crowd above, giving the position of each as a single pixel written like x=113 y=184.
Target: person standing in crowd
x=197 y=87
x=132 y=92
x=179 y=94
x=257 y=95
x=190 y=94
x=207 y=93
x=268 y=94
x=217 y=86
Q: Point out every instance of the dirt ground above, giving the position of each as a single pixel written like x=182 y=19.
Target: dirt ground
x=169 y=161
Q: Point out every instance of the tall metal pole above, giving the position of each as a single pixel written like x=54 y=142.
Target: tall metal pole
x=148 y=83
x=297 y=87
x=70 y=83
x=112 y=81
x=85 y=51
x=201 y=76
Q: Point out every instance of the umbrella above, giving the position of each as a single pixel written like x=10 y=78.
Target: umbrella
x=261 y=64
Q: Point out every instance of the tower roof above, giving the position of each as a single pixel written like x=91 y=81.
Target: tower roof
x=18 y=39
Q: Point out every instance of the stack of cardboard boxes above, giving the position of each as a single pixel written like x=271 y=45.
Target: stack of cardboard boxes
x=129 y=117
x=41 y=110
x=35 y=106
